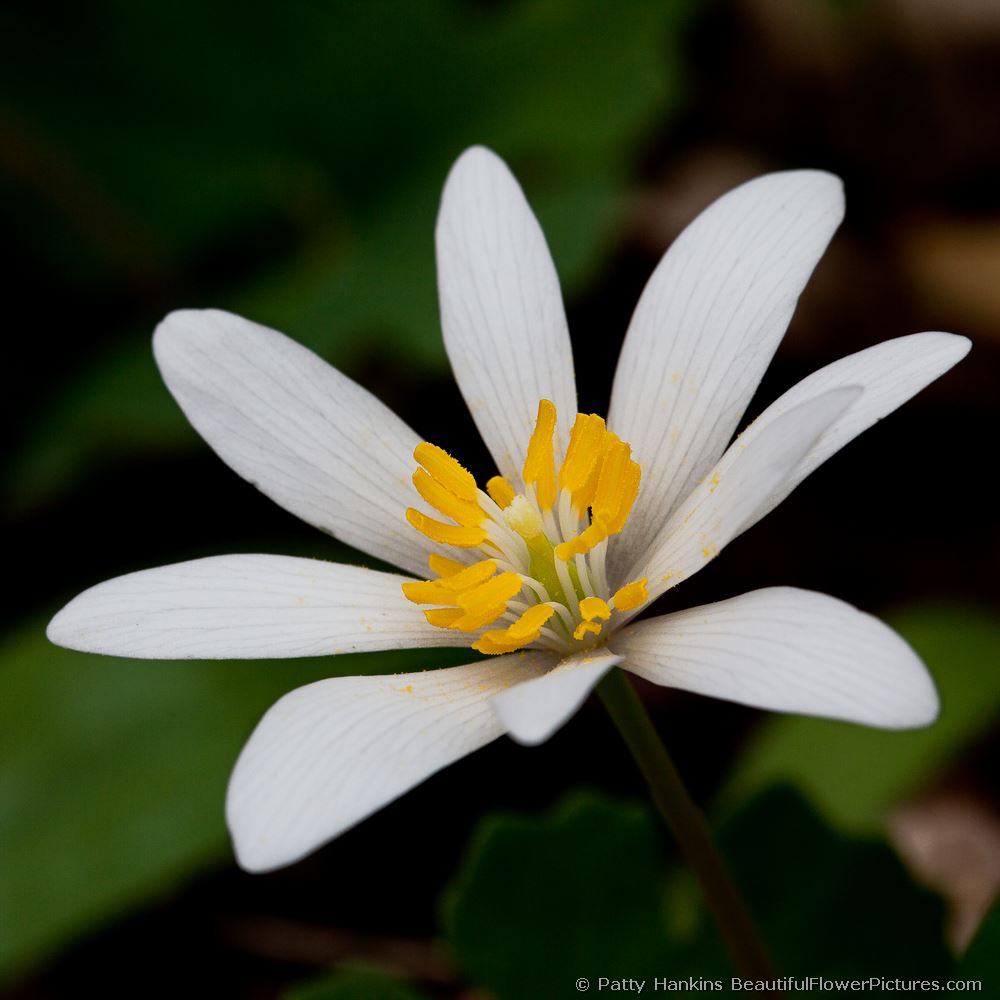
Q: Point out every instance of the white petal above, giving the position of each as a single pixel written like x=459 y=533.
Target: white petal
x=246 y=606
x=715 y=513
x=329 y=754
x=501 y=309
x=300 y=431
x=531 y=712
x=787 y=650
x=890 y=373
x=705 y=329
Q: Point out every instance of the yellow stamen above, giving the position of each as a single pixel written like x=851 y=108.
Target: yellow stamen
x=463 y=536
x=607 y=496
x=530 y=622
x=442 y=499
x=594 y=607
x=540 y=463
x=584 y=627
x=429 y=592
x=444 y=566
x=446 y=470
x=500 y=491
x=583 y=543
x=584 y=496
x=443 y=617
x=586 y=442
x=628 y=490
x=497 y=590
x=631 y=595
x=494 y=644
x=469 y=577
x=524 y=631
x=474 y=622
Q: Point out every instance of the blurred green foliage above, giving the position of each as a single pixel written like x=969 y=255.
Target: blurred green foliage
x=541 y=901
x=356 y=984
x=114 y=774
x=828 y=903
x=854 y=773
x=191 y=128
x=587 y=891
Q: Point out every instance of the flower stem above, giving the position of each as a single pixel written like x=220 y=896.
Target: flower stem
x=687 y=823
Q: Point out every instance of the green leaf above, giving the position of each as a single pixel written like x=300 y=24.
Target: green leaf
x=113 y=775
x=588 y=891
x=853 y=773
x=827 y=903
x=356 y=984
x=539 y=902
x=336 y=125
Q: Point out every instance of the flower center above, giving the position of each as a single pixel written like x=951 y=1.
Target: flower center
x=530 y=566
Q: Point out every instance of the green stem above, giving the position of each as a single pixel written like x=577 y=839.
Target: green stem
x=687 y=823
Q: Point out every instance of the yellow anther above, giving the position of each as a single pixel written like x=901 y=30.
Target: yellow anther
x=540 y=463
x=444 y=566
x=584 y=496
x=608 y=493
x=469 y=576
x=628 y=490
x=500 y=491
x=523 y=632
x=586 y=442
x=463 y=536
x=584 y=627
x=443 y=617
x=583 y=543
x=474 y=622
x=631 y=595
x=495 y=643
x=447 y=471
x=601 y=481
x=530 y=622
x=429 y=592
x=594 y=607
x=442 y=499
x=498 y=590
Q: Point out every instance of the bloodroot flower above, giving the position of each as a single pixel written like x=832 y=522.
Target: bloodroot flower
x=586 y=523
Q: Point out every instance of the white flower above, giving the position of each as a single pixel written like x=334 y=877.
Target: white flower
x=579 y=533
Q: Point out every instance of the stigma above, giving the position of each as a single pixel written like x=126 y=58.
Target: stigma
x=527 y=568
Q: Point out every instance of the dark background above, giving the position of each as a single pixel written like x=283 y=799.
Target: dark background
x=285 y=162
